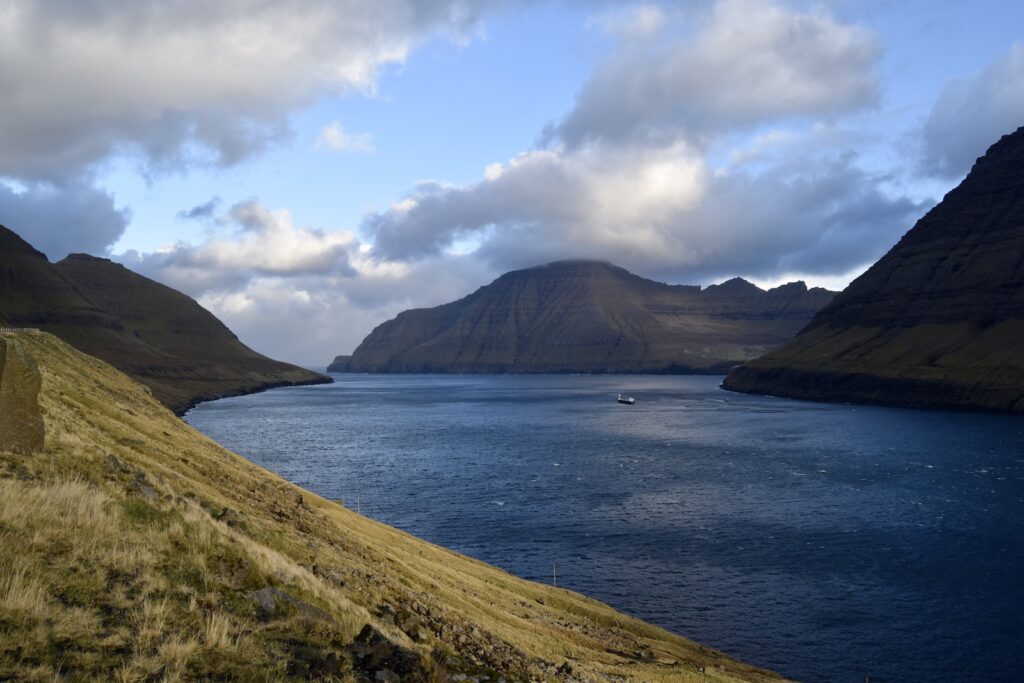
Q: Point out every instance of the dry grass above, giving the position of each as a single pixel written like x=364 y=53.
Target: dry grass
x=140 y=541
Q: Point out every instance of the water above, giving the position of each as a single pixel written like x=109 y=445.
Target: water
x=826 y=542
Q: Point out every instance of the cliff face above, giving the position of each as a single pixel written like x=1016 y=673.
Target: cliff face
x=157 y=335
x=937 y=322
x=586 y=316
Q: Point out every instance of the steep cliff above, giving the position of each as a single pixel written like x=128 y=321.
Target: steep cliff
x=587 y=316
x=157 y=335
x=937 y=322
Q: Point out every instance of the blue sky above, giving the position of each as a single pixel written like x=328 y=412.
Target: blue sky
x=357 y=158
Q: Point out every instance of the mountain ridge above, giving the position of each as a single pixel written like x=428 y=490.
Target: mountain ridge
x=937 y=322
x=588 y=316
x=156 y=334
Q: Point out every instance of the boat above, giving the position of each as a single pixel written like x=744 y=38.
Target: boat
x=628 y=400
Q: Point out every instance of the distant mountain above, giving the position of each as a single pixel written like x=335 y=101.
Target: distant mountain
x=588 y=316
x=157 y=335
x=937 y=322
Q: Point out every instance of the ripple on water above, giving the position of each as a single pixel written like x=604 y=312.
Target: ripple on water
x=823 y=541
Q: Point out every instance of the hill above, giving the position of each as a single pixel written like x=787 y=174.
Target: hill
x=148 y=552
x=157 y=335
x=937 y=322
x=589 y=316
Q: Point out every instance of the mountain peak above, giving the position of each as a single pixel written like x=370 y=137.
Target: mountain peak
x=736 y=286
x=585 y=316
x=12 y=243
x=936 y=322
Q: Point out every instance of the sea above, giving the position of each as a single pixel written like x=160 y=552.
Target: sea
x=826 y=542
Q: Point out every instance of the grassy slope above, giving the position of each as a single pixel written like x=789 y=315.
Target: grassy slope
x=132 y=545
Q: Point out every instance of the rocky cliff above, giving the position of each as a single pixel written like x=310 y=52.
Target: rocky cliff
x=937 y=322
x=157 y=335
x=587 y=316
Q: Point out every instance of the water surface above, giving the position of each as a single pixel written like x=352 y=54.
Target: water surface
x=826 y=542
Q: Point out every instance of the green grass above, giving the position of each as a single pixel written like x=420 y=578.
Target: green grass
x=120 y=563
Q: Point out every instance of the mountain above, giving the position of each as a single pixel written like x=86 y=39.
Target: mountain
x=937 y=322
x=589 y=316
x=145 y=551
x=157 y=335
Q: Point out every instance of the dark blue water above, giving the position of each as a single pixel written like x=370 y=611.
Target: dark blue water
x=826 y=542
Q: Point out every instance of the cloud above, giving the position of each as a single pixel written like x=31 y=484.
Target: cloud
x=176 y=84
x=971 y=113
x=261 y=243
x=187 y=81
x=322 y=290
x=737 y=64
x=660 y=212
x=318 y=317
x=334 y=137
x=59 y=219
x=634 y=173
x=203 y=211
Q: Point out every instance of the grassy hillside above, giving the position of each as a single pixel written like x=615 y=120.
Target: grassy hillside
x=137 y=549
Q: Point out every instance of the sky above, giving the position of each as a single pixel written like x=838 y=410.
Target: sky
x=307 y=169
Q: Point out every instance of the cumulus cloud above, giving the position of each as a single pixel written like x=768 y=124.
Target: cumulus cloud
x=260 y=243
x=180 y=83
x=187 y=81
x=317 y=317
x=971 y=113
x=739 y=63
x=660 y=212
x=334 y=137
x=630 y=174
x=59 y=219
x=298 y=293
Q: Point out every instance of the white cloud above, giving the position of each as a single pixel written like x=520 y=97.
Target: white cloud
x=334 y=137
x=180 y=83
x=739 y=63
x=972 y=113
x=300 y=294
x=633 y=21
x=630 y=176
x=657 y=212
x=187 y=81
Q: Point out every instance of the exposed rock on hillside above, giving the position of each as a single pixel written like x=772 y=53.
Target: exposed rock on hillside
x=156 y=334
x=937 y=322
x=587 y=316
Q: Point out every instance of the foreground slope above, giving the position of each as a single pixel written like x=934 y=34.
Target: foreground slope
x=588 y=316
x=937 y=322
x=157 y=335
x=148 y=552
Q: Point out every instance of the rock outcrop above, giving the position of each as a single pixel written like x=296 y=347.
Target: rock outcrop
x=937 y=322
x=21 y=422
x=593 y=317
x=156 y=334
x=340 y=364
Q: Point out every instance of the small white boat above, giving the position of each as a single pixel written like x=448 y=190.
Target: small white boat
x=628 y=400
